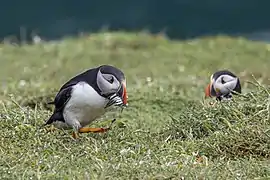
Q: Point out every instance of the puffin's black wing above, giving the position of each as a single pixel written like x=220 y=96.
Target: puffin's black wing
x=238 y=88
x=60 y=101
x=62 y=98
x=65 y=91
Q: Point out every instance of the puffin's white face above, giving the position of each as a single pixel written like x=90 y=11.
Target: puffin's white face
x=107 y=83
x=224 y=84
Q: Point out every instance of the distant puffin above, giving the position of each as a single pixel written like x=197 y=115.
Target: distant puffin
x=86 y=97
x=222 y=84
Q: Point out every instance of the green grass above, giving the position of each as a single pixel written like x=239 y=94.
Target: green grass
x=168 y=132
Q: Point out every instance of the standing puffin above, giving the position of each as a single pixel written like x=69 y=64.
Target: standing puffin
x=86 y=97
x=222 y=84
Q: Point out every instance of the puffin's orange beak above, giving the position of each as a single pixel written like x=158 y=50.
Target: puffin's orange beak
x=207 y=90
x=124 y=96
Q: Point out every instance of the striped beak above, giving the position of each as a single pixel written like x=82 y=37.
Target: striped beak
x=120 y=98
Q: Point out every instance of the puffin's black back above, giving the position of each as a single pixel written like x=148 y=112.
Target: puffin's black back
x=223 y=72
x=90 y=76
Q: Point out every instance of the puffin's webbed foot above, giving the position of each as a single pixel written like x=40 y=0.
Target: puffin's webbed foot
x=95 y=130
x=75 y=135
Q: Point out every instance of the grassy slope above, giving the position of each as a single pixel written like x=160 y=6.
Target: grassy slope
x=165 y=79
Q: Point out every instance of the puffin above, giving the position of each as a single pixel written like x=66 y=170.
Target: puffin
x=223 y=85
x=88 y=96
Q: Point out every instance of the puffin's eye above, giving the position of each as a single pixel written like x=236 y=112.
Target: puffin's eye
x=111 y=80
x=222 y=80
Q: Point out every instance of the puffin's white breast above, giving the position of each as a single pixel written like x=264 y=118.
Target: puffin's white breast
x=84 y=106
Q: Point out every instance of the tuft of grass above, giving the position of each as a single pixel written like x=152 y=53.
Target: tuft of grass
x=199 y=120
x=167 y=132
x=231 y=129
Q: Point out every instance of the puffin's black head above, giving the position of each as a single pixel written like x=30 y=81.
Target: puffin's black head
x=111 y=80
x=222 y=84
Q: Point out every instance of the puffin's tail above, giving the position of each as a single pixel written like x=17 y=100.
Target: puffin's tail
x=52 y=102
x=56 y=116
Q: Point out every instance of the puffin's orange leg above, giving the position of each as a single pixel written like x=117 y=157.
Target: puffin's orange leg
x=88 y=130
x=75 y=135
x=94 y=130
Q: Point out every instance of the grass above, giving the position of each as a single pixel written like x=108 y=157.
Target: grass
x=168 y=132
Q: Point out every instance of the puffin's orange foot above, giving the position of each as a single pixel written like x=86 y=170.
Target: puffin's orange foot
x=96 y=130
x=93 y=130
x=75 y=135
